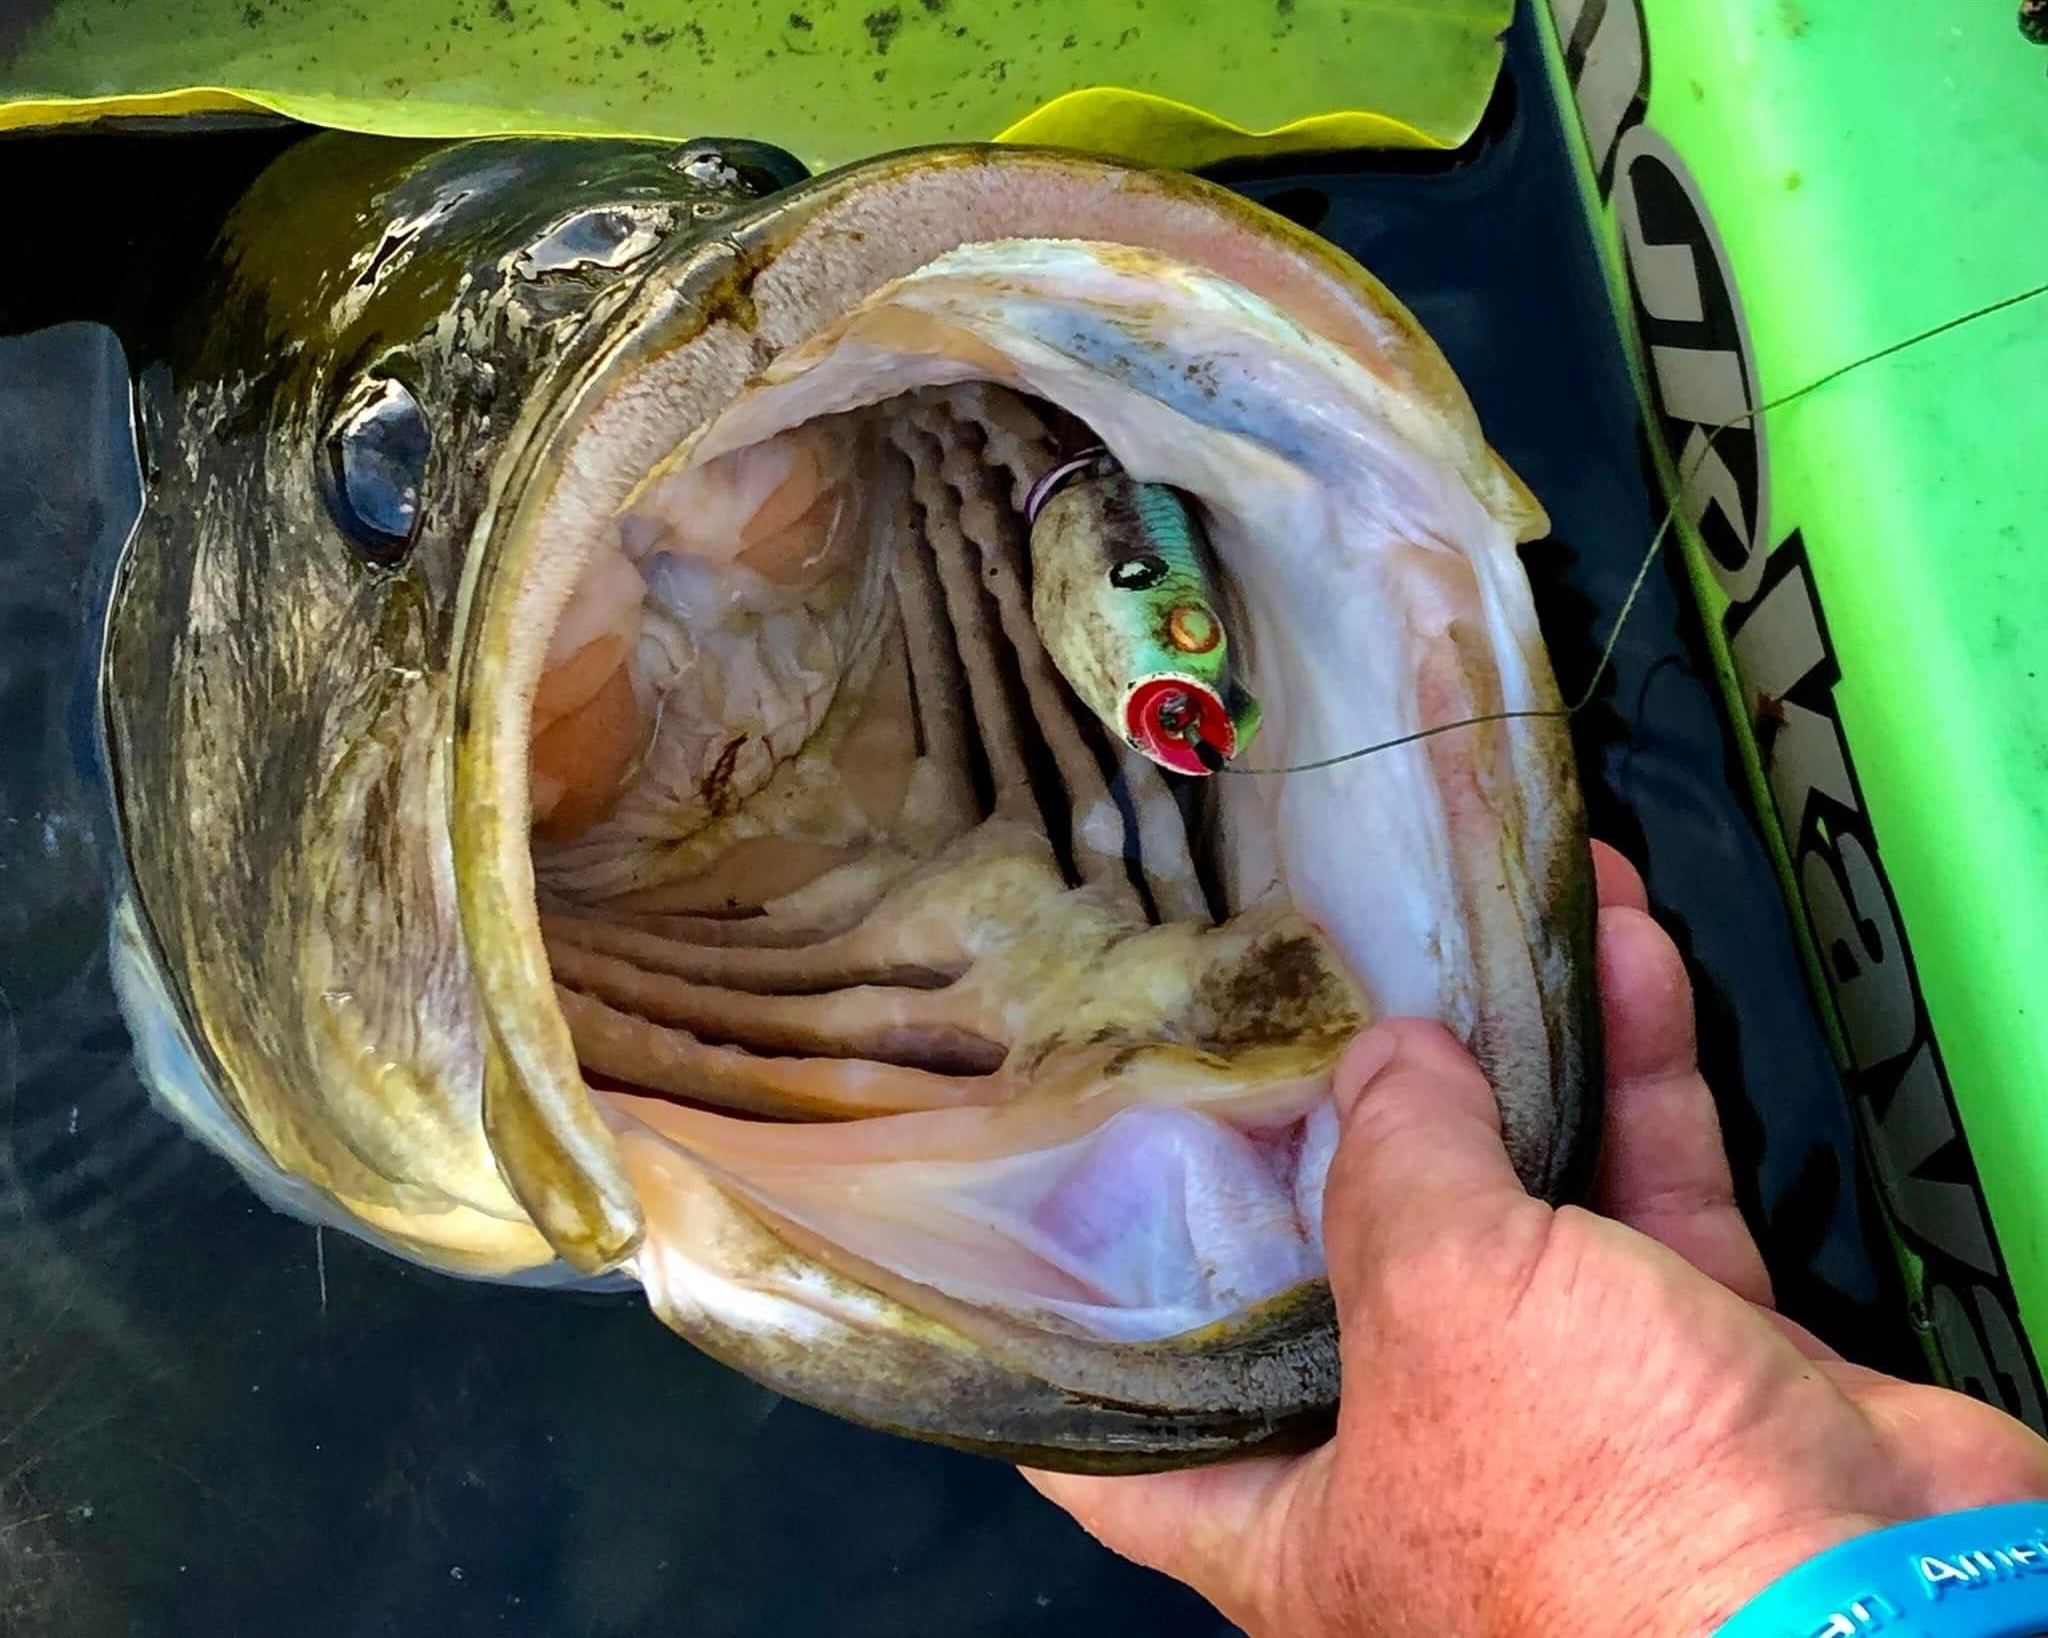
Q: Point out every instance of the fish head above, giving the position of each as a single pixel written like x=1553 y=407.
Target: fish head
x=280 y=700
x=601 y=798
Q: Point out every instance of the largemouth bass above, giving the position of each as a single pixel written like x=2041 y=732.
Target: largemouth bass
x=600 y=803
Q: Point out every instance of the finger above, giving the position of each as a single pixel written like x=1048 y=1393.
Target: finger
x=1663 y=1167
x=1201 y=1526
x=1419 y=1164
x=1955 y=1452
x=1616 y=881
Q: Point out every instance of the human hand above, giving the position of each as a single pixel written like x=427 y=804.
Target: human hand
x=1555 y=1422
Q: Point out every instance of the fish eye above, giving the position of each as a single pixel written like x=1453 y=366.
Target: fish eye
x=373 y=465
x=1139 y=573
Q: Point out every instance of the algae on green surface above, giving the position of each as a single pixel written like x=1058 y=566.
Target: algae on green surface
x=1181 y=82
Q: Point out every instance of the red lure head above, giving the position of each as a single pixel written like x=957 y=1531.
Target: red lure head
x=1164 y=715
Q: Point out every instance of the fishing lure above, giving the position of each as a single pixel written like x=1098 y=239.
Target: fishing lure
x=1122 y=595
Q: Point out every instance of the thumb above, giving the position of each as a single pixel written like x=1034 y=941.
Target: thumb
x=1420 y=1166
x=1207 y=1526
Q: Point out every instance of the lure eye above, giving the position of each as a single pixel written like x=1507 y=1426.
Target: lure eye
x=373 y=464
x=1139 y=573
x=1193 y=629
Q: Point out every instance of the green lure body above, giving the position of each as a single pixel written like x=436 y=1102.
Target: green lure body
x=1123 y=593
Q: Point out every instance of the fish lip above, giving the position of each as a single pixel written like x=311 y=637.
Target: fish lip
x=558 y=1155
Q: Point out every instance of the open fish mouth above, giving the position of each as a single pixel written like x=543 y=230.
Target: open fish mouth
x=710 y=736
x=851 y=980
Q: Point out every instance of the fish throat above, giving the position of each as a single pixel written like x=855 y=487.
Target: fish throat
x=825 y=838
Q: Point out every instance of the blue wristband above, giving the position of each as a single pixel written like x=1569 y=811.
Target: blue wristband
x=1980 y=1574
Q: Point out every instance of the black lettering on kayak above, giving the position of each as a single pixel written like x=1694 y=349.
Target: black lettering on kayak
x=1608 y=70
x=1787 y=678
x=1914 y=1140
x=1912 y=1125
x=1984 y=1349
x=1862 y=946
x=1694 y=341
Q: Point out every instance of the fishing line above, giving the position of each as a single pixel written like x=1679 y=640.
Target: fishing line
x=1654 y=549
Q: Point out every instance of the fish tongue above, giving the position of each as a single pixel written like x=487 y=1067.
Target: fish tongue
x=1116 y=1216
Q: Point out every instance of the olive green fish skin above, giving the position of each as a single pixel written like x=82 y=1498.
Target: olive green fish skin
x=279 y=708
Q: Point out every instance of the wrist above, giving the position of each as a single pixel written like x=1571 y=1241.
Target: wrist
x=1981 y=1573
x=1671 y=1566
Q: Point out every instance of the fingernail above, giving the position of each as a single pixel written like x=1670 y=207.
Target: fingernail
x=1362 y=1064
